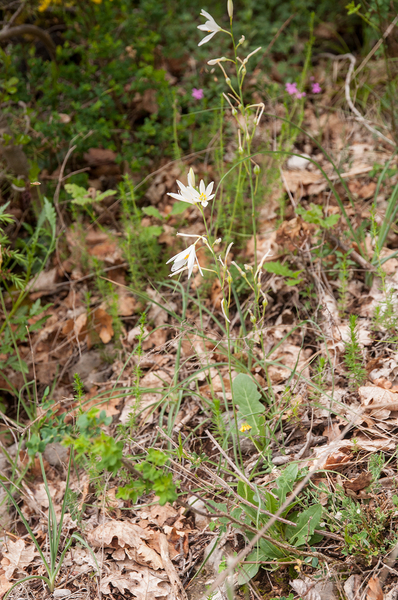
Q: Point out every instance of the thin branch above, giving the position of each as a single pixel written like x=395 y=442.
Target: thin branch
x=20 y=30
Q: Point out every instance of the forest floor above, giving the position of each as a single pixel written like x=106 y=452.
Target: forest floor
x=320 y=359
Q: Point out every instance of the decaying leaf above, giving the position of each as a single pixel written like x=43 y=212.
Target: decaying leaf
x=378 y=400
x=359 y=483
x=375 y=591
x=140 y=581
x=122 y=534
x=305 y=588
x=18 y=556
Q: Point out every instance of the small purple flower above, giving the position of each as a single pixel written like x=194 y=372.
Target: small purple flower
x=291 y=88
x=300 y=95
x=316 y=88
x=197 y=94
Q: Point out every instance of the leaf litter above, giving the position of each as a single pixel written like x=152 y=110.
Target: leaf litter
x=128 y=539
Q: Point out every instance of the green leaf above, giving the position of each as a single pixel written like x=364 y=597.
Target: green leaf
x=307 y=521
x=286 y=481
x=278 y=269
x=246 y=395
x=314 y=215
x=151 y=211
x=103 y=195
x=179 y=208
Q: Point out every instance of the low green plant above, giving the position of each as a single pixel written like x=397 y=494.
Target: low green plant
x=54 y=559
x=277 y=268
x=20 y=266
x=151 y=477
x=314 y=215
x=353 y=357
x=283 y=541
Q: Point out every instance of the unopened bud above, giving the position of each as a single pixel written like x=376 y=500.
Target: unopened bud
x=242 y=39
x=252 y=318
x=256 y=170
x=227 y=79
x=229 y=279
x=230 y=9
x=234 y=112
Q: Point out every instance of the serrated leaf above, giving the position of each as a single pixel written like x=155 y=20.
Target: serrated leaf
x=246 y=395
x=307 y=521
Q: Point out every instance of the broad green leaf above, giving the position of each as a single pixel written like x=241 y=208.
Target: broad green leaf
x=246 y=395
x=151 y=211
x=179 y=208
x=307 y=521
x=286 y=481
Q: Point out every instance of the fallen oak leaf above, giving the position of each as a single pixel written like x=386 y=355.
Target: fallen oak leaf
x=375 y=591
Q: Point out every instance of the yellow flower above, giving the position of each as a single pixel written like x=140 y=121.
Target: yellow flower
x=245 y=427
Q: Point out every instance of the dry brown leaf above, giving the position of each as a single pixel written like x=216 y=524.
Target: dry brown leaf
x=44 y=282
x=126 y=304
x=122 y=534
x=291 y=357
x=5 y=584
x=332 y=432
x=359 y=483
x=102 y=323
x=375 y=591
x=294 y=180
x=19 y=556
x=99 y=156
x=140 y=581
x=378 y=400
x=305 y=588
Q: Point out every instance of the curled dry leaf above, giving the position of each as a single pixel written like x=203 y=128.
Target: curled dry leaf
x=359 y=483
x=378 y=400
x=375 y=591
x=122 y=534
x=140 y=581
x=19 y=556
x=306 y=588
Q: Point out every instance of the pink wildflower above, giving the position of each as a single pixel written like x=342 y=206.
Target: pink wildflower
x=197 y=94
x=300 y=95
x=291 y=88
x=316 y=88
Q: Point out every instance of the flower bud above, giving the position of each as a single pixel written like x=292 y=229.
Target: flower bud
x=234 y=112
x=229 y=279
x=256 y=170
x=252 y=318
x=230 y=8
x=227 y=79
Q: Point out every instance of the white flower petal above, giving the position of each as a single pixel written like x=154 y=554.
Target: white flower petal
x=209 y=188
x=191 y=262
x=191 y=178
x=205 y=14
x=181 y=198
x=207 y=38
x=202 y=187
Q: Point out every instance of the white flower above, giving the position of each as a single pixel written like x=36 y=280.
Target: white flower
x=204 y=195
x=210 y=25
x=186 y=194
x=184 y=259
x=190 y=193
